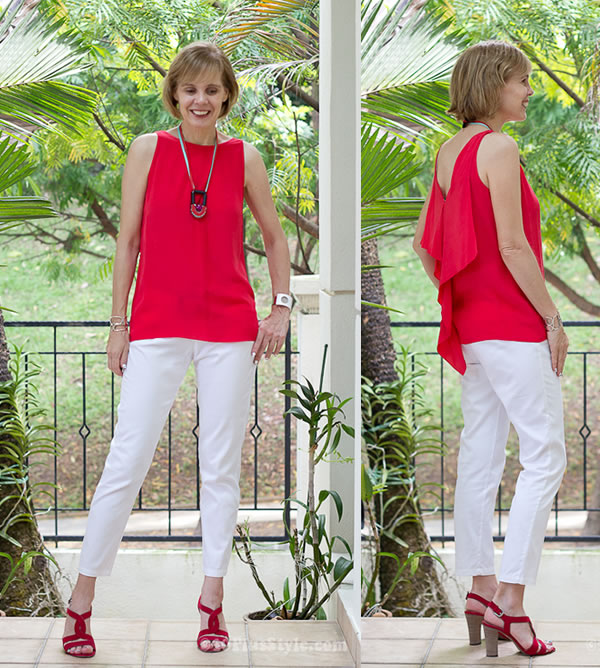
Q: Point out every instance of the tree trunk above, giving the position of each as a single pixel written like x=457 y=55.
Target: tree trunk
x=422 y=594
x=34 y=594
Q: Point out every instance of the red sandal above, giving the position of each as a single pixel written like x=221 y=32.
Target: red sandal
x=213 y=632
x=80 y=638
x=474 y=620
x=538 y=647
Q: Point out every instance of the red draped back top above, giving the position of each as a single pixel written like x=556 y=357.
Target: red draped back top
x=191 y=280
x=480 y=299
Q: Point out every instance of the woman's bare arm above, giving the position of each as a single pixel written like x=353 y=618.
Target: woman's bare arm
x=426 y=259
x=273 y=328
x=500 y=163
x=133 y=191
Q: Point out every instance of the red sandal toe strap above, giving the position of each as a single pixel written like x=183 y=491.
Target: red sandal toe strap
x=219 y=634
x=539 y=647
x=80 y=637
x=213 y=631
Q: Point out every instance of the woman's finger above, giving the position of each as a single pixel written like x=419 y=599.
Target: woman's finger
x=259 y=346
x=278 y=346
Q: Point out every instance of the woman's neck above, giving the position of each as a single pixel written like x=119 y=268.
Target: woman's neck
x=203 y=136
x=494 y=124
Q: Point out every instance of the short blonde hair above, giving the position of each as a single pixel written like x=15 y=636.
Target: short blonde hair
x=478 y=76
x=190 y=62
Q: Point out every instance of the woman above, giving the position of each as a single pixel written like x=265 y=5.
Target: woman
x=183 y=193
x=479 y=240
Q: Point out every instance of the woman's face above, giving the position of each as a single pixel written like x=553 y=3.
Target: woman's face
x=514 y=97
x=201 y=99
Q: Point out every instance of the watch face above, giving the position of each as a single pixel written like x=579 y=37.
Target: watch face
x=283 y=300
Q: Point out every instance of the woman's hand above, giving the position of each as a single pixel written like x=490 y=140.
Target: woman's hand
x=271 y=333
x=117 y=351
x=559 y=344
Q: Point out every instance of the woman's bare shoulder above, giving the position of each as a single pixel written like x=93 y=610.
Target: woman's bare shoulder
x=499 y=145
x=144 y=145
x=251 y=153
x=140 y=154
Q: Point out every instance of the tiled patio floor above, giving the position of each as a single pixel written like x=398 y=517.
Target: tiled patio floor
x=443 y=643
x=36 y=642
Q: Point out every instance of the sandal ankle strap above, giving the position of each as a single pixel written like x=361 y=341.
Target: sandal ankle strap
x=476 y=597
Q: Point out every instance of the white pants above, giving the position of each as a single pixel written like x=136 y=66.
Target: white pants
x=155 y=370
x=507 y=381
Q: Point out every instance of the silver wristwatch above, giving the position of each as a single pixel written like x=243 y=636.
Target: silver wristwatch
x=282 y=299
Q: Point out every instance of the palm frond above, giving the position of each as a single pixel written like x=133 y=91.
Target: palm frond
x=410 y=108
x=261 y=22
x=406 y=61
x=397 y=51
x=21 y=208
x=32 y=56
x=15 y=163
x=388 y=215
x=293 y=70
x=42 y=104
x=386 y=163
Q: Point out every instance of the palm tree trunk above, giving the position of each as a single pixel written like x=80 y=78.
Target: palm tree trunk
x=422 y=594
x=34 y=594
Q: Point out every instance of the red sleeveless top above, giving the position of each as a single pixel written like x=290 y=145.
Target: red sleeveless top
x=192 y=280
x=480 y=299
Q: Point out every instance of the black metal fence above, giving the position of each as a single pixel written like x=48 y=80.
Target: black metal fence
x=581 y=484
x=82 y=364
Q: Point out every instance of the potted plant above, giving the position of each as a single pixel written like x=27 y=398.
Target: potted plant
x=317 y=571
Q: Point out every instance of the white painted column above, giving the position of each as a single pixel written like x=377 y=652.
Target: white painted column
x=339 y=212
x=306 y=291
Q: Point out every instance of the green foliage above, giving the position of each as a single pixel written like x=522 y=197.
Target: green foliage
x=274 y=25
x=405 y=62
x=15 y=165
x=130 y=46
x=317 y=571
x=23 y=437
x=386 y=164
x=560 y=140
x=32 y=55
x=395 y=435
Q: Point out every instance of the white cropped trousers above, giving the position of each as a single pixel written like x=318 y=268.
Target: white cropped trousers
x=507 y=381
x=155 y=370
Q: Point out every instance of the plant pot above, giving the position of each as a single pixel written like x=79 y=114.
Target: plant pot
x=262 y=616
x=382 y=612
x=270 y=615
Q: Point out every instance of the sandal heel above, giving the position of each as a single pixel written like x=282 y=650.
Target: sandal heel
x=491 y=641
x=474 y=626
